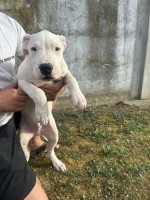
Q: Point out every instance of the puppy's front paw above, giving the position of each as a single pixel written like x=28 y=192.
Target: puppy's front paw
x=42 y=115
x=79 y=100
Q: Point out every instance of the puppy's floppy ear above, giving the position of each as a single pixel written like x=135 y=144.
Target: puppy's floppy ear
x=63 y=41
x=26 y=39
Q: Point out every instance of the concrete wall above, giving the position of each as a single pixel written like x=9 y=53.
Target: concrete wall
x=145 y=94
x=143 y=11
x=106 y=38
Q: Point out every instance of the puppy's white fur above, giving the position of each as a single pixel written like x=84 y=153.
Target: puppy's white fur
x=44 y=47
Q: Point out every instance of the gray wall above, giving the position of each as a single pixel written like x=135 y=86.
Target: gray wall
x=106 y=38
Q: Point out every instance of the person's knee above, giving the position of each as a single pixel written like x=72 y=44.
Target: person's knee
x=37 y=192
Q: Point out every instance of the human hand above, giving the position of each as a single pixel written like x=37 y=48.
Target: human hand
x=12 y=99
x=53 y=89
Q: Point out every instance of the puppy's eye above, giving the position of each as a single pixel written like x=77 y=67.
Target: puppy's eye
x=57 y=48
x=33 y=49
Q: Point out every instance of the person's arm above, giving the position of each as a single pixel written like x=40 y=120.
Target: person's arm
x=12 y=99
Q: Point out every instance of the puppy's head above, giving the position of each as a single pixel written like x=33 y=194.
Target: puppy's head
x=45 y=52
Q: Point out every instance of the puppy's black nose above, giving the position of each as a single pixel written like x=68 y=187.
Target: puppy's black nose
x=46 y=68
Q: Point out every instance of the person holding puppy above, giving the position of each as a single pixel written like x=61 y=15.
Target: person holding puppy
x=17 y=179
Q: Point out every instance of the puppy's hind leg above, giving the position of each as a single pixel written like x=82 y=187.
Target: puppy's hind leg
x=24 y=141
x=25 y=136
x=51 y=133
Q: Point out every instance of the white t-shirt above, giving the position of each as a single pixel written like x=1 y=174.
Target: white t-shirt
x=11 y=35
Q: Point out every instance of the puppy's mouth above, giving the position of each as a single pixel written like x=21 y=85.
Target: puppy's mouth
x=51 y=78
x=48 y=78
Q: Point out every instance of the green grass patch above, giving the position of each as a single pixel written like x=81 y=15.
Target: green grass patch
x=107 y=154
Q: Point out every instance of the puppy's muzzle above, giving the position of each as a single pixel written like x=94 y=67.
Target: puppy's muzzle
x=46 y=70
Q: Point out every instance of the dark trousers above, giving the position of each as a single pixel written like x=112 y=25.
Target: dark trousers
x=16 y=177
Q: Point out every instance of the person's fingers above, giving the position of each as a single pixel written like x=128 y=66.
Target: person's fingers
x=22 y=93
x=13 y=85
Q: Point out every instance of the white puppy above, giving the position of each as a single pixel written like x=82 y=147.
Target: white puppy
x=44 y=62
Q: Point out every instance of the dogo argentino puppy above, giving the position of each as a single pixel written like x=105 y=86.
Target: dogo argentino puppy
x=44 y=62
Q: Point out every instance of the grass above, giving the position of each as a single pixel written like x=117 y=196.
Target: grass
x=107 y=153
